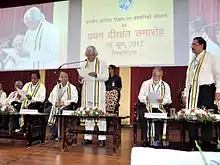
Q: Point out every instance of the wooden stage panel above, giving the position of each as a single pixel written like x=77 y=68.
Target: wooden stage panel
x=50 y=153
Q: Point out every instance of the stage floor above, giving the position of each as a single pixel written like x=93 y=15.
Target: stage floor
x=50 y=154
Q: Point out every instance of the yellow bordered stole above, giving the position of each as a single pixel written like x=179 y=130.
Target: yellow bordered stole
x=194 y=88
x=37 y=42
x=96 y=84
x=162 y=92
x=33 y=94
x=161 y=108
x=68 y=90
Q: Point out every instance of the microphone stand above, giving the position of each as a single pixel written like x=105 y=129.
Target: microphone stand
x=59 y=97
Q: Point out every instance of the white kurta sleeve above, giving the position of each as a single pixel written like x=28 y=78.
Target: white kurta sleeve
x=74 y=96
x=167 y=96
x=103 y=76
x=52 y=97
x=3 y=98
x=8 y=100
x=142 y=97
x=24 y=89
x=216 y=72
x=41 y=96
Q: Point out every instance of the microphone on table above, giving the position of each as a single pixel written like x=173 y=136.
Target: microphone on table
x=68 y=63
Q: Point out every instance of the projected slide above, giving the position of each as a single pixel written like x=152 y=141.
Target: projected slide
x=129 y=32
x=204 y=23
x=31 y=36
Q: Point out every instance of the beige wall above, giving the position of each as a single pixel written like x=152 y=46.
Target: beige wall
x=125 y=74
x=60 y=20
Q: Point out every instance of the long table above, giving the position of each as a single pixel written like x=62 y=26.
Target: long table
x=182 y=124
x=69 y=129
x=35 y=130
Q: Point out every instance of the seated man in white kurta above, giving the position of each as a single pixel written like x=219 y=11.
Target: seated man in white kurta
x=35 y=94
x=155 y=84
x=64 y=96
x=14 y=100
x=3 y=95
x=93 y=77
x=41 y=42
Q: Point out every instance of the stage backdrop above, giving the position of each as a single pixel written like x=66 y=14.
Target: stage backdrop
x=132 y=78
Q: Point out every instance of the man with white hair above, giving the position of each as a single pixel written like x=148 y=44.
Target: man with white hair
x=154 y=85
x=41 y=42
x=93 y=76
x=13 y=100
x=12 y=55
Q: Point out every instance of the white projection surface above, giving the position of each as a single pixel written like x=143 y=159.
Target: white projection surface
x=129 y=32
x=125 y=32
x=33 y=37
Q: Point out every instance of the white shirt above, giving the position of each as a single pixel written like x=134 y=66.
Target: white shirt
x=149 y=86
x=12 y=97
x=62 y=92
x=3 y=97
x=210 y=70
x=40 y=95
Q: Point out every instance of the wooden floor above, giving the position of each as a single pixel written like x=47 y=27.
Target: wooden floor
x=50 y=153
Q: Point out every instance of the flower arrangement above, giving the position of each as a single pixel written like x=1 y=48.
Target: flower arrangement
x=6 y=109
x=90 y=111
x=200 y=115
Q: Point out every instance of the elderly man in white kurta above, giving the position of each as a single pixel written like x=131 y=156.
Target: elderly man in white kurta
x=41 y=42
x=13 y=99
x=13 y=96
x=64 y=96
x=3 y=95
x=156 y=85
x=93 y=77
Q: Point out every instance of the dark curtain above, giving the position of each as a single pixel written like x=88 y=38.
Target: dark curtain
x=8 y=79
x=174 y=76
x=51 y=79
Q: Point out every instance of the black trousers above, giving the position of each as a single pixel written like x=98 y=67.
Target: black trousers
x=206 y=99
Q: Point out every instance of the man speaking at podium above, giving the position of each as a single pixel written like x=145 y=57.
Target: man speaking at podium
x=93 y=75
x=154 y=85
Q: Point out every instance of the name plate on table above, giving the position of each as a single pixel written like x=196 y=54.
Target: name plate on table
x=29 y=111
x=67 y=112
x=155 y=115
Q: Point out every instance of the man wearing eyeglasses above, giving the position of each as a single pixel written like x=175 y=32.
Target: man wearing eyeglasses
x=202 y=88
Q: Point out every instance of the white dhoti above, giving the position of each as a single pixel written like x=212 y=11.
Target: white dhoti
x=89 y=126
x=93 y=94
